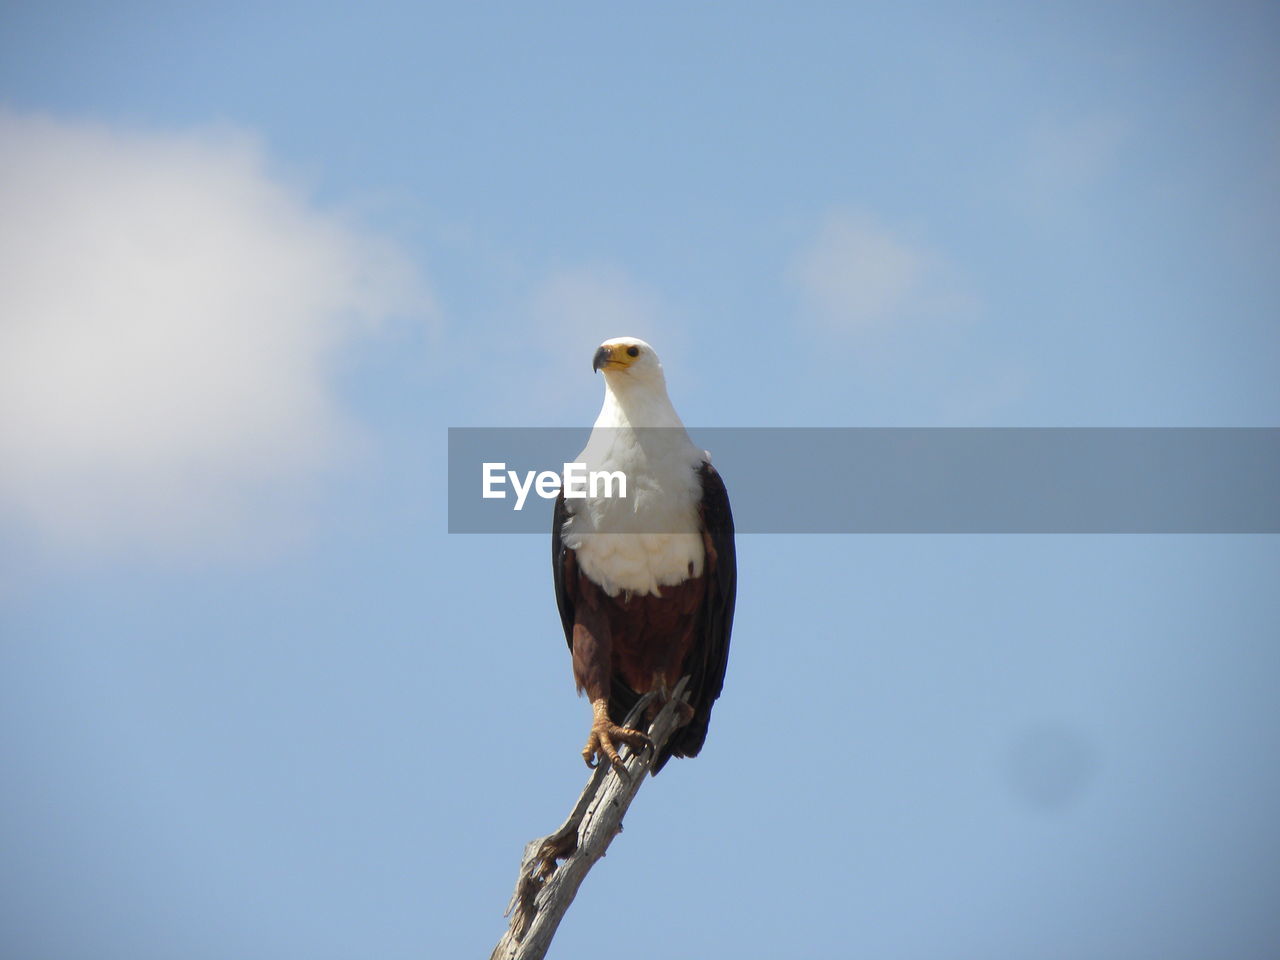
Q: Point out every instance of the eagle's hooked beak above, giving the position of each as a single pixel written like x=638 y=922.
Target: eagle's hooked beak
x=603 y=356
x=615 y=355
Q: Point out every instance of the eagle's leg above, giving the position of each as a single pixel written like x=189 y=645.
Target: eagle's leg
x=603 y=734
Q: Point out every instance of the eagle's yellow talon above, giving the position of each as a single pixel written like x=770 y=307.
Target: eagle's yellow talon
x=600 y=743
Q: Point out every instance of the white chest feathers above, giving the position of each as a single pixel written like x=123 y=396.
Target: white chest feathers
x=651 y=538
x=640 y=563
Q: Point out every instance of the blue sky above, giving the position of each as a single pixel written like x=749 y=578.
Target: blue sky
x=253 y=263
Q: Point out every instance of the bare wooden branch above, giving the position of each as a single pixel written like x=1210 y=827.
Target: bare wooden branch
x=545 y=888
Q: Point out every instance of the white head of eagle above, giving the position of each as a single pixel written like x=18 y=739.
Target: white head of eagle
x=645 y=584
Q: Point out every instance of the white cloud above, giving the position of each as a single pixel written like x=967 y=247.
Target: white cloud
x=169 y=318
x=856 y=276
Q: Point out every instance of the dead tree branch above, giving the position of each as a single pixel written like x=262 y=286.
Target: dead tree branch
x=545 y=887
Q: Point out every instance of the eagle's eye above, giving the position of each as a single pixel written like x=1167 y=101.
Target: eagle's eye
x=633 y=351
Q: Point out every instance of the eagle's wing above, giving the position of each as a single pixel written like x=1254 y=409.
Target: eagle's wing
x=564 y=568
x=706 y=661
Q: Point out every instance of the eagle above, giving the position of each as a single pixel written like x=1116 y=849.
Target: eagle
x=645 y=582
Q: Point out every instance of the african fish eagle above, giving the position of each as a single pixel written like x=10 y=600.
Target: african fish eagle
x=645 y=583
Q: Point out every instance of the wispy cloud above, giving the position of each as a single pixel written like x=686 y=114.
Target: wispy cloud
x=1065 y=157
x=584 y=305
x=570 y=311
x=857 y=276
x=910 y=329
x=169 y=317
